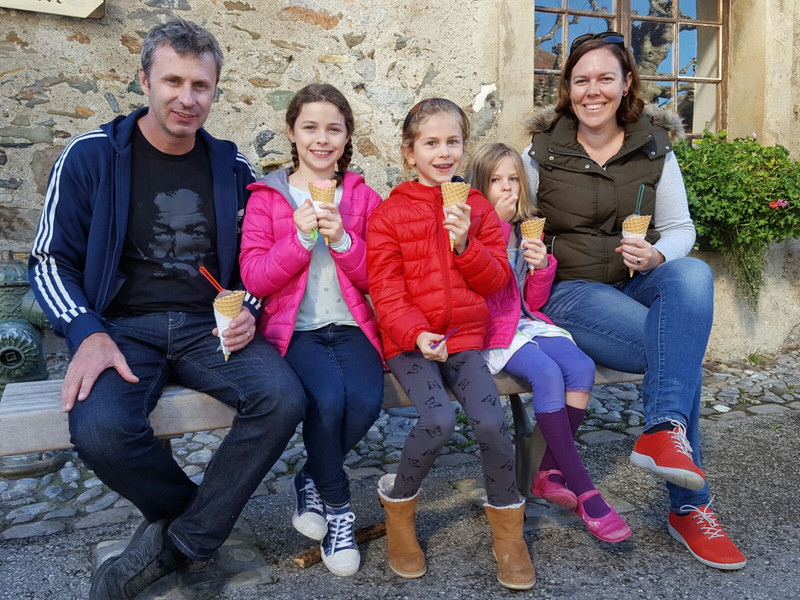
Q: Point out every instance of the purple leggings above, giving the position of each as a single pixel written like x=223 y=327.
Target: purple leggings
x=552 y=365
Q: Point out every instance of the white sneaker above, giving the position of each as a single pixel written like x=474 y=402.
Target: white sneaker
x=309 y=511
x=339 y=549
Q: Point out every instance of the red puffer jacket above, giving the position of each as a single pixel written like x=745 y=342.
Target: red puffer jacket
x=418 y=284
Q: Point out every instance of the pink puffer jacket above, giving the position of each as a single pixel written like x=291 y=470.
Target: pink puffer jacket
x=274 y=264
x=504 y=306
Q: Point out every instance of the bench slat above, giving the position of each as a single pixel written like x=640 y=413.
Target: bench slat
x=31 y=419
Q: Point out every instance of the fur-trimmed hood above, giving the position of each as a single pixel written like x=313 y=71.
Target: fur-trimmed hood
x=544 y=118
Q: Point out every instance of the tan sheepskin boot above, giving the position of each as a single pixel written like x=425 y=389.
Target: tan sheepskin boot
x=406 y=558
x=514 y=566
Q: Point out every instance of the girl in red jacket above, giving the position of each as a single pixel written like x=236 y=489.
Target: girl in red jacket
x=310 y=265
x=526 y=344
x=431 y=307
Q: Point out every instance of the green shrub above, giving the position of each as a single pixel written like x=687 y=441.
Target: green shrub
x=742 y=196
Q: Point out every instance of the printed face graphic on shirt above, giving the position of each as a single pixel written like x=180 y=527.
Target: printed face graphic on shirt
x=180 y=234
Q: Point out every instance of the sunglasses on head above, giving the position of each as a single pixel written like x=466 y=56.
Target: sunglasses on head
x=609 y=37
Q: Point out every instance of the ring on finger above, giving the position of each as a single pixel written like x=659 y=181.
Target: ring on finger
x=639 y=260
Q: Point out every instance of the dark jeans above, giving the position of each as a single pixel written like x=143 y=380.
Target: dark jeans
x=342 y=374
x=112 y=434
x=658 y=324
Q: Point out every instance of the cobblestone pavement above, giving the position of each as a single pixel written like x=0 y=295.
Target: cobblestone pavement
x=73 y=498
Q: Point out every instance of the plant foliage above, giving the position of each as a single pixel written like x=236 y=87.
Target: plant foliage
x=742 y=196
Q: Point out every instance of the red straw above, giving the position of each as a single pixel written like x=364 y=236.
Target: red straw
x=213 y=281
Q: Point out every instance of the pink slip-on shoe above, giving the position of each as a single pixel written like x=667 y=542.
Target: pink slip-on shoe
x=609 y=528
x=551 y=491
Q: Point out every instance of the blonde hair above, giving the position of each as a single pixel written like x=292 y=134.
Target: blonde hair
x=420 y=113
x=482 y=167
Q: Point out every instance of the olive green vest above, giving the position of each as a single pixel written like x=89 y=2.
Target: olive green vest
x=585 y=203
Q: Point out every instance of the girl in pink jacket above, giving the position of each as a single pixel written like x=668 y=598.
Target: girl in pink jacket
x=308 y=260
x=525 y=343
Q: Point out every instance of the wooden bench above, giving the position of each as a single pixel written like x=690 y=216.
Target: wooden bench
x=31 y=419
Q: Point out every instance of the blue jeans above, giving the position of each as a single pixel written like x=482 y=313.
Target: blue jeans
x=342 y=374
x=112 y=434
x=657 y=324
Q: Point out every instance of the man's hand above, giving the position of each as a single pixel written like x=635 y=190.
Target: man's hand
x=96 y=353
x=305 y=219
x=239 y=332
x=424 y=342
x=457 y=222
x=330 y=222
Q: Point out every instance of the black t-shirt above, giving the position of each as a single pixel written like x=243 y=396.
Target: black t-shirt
x=171 y=233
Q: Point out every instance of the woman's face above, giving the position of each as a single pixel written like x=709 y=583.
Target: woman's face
x=596 y=87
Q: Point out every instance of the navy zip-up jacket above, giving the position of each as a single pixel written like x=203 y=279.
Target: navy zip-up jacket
x=74 y=265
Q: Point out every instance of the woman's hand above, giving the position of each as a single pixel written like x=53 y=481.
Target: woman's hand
x=506 y=207
x=535 y=253
x=305 y=218
x=457 y=222
x=425 y=340
x=639 y=254
x=329 y=222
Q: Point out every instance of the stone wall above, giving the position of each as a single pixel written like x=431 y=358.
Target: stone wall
x=61 y=76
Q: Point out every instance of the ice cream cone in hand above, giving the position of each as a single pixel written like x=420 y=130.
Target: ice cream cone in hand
x=454 y=192
x=227 y=305
x=532 y=230
x=323 y=192
x=635 y=226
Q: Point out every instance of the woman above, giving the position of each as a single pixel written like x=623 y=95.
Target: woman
x=593 y=160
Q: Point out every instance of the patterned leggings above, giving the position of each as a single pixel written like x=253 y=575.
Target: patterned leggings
x=468 y=377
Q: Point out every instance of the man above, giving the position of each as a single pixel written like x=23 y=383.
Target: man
x=132 y=210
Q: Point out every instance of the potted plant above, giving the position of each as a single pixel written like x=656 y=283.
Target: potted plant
x=742 y=196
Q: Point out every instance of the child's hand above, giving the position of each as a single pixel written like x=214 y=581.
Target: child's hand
x=535 y=253
x=457 y=221
x=424 y=342
x=506 y=207
x=330 y=222
x=305 y=218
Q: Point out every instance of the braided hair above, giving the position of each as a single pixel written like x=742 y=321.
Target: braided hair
x=323 y=92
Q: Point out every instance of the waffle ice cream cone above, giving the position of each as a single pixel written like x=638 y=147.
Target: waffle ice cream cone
x=532 y=230
x=454 y=192
x=635 y=226
x=323 y=192
x=227 y=305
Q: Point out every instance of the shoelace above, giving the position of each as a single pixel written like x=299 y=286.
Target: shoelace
x=679 y=440
x=706 y=519
x=340 y=530
x=313 y=499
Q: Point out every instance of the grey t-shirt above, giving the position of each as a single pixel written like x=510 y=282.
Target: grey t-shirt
x=322 y=303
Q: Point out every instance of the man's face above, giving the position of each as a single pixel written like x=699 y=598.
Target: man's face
x=180 y=232
x=181 y=90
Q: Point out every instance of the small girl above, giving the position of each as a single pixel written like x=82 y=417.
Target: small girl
x=431 y=307
x=316 y=313
x=529 y=346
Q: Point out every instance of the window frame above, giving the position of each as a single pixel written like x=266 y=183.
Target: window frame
x=622 y=18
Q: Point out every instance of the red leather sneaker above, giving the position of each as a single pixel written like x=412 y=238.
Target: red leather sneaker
x=668 y=454
x=705 y=539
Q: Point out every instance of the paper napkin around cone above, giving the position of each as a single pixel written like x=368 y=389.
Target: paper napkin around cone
x=322 y=192
x=227 y=305
x=454 y=192
x=635 y=226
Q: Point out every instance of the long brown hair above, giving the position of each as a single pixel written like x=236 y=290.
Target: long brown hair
x=631 y=107
x=323 y=92
x=482 y=167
